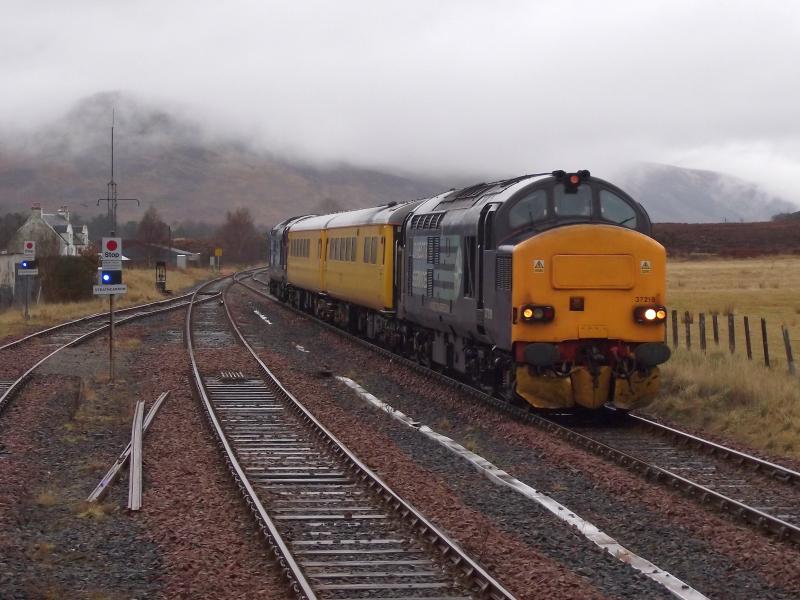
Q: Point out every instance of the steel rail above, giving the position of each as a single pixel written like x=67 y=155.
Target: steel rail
x=87 y=318
x=753 y=516
x=289 y=567
x=775 y=470
x=6 y=396
x=135 y=467
x=489 y=586
x=102 y=487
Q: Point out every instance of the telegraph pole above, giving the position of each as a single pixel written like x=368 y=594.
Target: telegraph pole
x=111 y=201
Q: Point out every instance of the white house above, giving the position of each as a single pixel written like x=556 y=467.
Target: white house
x=53 y=233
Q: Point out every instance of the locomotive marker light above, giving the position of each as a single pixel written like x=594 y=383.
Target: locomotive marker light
x=537 y=314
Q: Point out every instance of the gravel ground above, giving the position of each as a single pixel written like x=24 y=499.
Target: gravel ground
x=56 y=443
x=521 y=544
x=711 y=553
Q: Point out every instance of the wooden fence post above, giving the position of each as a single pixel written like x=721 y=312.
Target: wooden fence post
x=747 y=339
x=687 y=321
x=731 y=333
x=788 y=344
x=675 y=329
x=764 y=340
x=702 y=325
x=715 y=327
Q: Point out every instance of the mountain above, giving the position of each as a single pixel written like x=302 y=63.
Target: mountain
x=677 y=195
x=170 y=162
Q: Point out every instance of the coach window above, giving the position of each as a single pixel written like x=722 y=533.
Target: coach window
x=615 y=209
x=578 y=204
x=530 y=209
x=374 y=250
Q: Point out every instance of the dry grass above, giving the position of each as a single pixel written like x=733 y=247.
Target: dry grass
x=725 y=394
x=756 y=287
x=41 y=551
x=733 y=397
x=765 y=286
x=141 y=289
x=128 y=343
x=95 y=510
x=46 y=498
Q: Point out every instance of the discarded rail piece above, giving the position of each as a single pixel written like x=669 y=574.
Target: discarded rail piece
x=100 y=491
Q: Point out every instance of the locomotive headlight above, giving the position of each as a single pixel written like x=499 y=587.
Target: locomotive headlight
x=527 y=313
x=649 y=314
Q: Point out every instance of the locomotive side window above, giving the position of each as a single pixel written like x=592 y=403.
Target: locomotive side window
x=530 y=209
x=615 y=209
x=468 y=268
x=578 y=204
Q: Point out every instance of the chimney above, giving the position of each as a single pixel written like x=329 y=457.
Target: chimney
x=64 y=212
x=36 y=210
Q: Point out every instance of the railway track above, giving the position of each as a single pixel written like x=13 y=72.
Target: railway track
x=85 y=324
x=335 y=529
x=756 y=491
x=761 y=492
x=45 y=344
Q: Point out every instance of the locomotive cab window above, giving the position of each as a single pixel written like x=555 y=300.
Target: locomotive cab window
x=530 y=209
x=615 y=209
x=578 y=204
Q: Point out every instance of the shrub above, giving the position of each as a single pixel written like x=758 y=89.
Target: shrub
x=68 y=278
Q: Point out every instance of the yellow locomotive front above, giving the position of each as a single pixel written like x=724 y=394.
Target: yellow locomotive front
x=588 y=314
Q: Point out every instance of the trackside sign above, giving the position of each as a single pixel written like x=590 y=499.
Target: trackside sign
x=112 y=249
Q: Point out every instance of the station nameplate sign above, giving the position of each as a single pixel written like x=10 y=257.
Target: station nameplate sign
x=106 y=290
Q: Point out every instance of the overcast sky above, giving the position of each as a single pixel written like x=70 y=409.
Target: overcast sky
x=494 y=87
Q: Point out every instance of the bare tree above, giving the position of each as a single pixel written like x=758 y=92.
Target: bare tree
x=239 y=238
x=152 y=231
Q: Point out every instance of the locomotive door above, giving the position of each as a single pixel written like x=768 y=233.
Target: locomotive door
x=486 y=253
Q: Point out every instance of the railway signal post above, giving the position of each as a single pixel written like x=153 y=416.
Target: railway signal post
x=28 y=268
x=110 y=284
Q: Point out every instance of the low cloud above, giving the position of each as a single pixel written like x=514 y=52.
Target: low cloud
x=451 y=87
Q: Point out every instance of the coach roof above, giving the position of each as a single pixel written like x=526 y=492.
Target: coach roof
x=387 y=214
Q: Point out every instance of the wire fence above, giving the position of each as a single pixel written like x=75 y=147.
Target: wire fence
x=703 y=331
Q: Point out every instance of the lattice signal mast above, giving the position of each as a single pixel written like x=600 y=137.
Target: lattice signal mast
x=111 y=194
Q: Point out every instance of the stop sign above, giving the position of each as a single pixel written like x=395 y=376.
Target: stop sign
x=112 y=248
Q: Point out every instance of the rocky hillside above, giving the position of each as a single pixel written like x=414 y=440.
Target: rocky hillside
x=676 y=195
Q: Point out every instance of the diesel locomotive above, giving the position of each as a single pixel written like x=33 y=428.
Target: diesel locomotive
x=545 y=288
